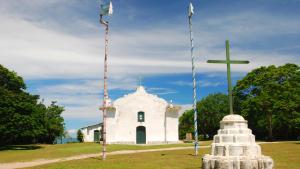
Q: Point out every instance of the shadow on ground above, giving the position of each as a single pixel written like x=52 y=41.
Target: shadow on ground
x=20 y=147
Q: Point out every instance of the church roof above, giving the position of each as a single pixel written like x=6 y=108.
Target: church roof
x=99 y=124
x=140 y=89
x=141 y=92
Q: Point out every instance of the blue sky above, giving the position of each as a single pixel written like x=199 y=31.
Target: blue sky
x=57 y=46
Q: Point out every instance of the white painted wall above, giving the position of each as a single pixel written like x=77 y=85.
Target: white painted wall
x=121 y=125
x=172 y=127
x=88 y=132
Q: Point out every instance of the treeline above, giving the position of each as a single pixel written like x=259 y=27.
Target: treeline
x=23 y=118
x=268 y=97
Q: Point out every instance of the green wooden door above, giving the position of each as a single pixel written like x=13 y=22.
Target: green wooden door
x=96 y=135
x=140 y=135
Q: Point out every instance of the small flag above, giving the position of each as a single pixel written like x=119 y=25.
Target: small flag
x=191 y=9
x=106 y=9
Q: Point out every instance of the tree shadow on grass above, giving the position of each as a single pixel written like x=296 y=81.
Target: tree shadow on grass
x=96 y=158
x=20 y=147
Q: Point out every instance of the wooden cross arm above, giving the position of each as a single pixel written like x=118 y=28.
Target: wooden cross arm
x=231 y=62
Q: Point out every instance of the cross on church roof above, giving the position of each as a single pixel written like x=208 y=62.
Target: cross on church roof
x=228 y=62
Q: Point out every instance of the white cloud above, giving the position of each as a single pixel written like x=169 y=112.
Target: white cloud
x=185 y=107
x=82 y=98
x=50 y=53
x=72 y=131
x=202 y=83
x=47 y=40
x=161 y=90
x=84 y=112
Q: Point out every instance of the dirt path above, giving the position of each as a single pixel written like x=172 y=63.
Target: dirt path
x=38 y=162
x=83 y=156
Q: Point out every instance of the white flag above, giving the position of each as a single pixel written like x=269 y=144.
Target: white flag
x=191 y=9
x=106 y=9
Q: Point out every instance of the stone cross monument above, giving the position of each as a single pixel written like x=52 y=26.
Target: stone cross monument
x=234 y=146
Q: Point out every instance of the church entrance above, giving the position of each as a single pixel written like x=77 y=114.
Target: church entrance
x=141 y=135
x=96 y=135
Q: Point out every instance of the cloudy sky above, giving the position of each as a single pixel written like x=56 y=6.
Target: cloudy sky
x=57 y=46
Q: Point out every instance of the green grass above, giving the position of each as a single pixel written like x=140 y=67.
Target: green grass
x=34 y=152
x=285 y=155
x=175 y=159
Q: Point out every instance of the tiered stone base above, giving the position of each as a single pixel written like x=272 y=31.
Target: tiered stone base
x=220 y=162
x=234 y=147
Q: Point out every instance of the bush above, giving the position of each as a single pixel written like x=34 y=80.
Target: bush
x=80 y=136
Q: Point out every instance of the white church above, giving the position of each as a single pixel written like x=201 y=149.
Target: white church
x=138 y=118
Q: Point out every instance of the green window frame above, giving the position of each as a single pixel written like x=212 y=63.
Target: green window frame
x=141 y=116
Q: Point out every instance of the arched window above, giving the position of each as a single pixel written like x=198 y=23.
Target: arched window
x=141 y=116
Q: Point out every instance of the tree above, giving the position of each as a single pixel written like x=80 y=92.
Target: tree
x=54 y=123
x=80 y=136
x=9 y=80
x=19 y=111
x=66 y=134
x=186 y=124
x=211 y=110
x=269 y=98
x=22 y=116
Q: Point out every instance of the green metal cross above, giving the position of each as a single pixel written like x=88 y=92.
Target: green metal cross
x=228 y=62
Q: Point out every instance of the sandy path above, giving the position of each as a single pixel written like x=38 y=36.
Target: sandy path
x=38 y=162
x=83 y=156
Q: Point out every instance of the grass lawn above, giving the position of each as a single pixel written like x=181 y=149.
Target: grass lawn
x=285 y=155
x=33 y=152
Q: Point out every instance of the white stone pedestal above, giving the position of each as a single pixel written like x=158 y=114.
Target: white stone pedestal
x=234 y=147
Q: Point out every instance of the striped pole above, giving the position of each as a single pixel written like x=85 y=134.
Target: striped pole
x=106 y=9
x=194 y=80
x=105 y=93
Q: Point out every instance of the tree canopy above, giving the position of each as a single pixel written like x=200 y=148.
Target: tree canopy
x=23 y=119
x=186 y=124
x=210 y=110
x=268 y=97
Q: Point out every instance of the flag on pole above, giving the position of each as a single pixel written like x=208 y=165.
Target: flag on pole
x=191 y=9
x=106 y=9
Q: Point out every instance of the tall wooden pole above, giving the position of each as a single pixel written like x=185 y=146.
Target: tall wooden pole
x=194 y=79
x=105 y=93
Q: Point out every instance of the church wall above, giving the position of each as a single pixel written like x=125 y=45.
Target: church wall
x=111 y=127
x=88 y=132
x=84 y=132
x=154 y=121
x=127 y=120
x=172 y=129
x=122 y=127
x=125 y=129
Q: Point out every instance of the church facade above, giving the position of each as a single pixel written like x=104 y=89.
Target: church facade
x=139 y=118
x=142 y=118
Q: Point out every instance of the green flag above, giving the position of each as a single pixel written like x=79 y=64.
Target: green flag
x=106 y=9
